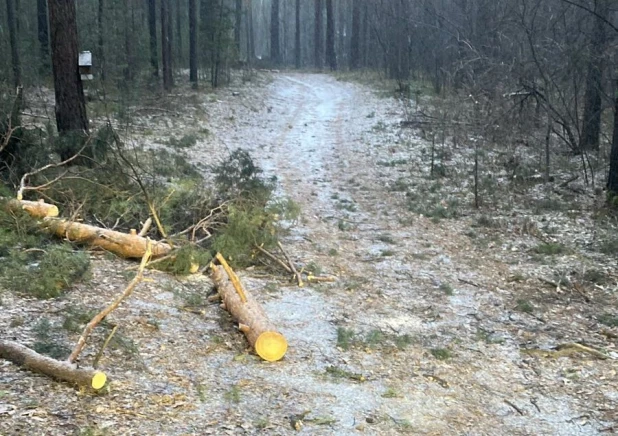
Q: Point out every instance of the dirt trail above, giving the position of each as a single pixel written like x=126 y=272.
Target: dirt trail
x=439 y=356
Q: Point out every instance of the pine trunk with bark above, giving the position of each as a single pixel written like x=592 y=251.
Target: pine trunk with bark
x=69 y=91
x=331 y=56
x=275 y=44
x=237 y=25
x=179 y=32
x=43 y=34
x=356 y=35
x=152 y=31
x=612 y=180
x=250 y=37
x=593 y=104
x=297 y=47
x=101 y=45
x=15 y=62
x=319 y=35
x=166 y=46
x=193 y=42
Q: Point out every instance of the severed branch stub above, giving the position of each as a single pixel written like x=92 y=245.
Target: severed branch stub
x=61 y=370
x=267 y=342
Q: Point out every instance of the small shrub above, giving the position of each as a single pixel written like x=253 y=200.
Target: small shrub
x=441 y=353
x=345 y=338
x=524 y=306
x=447 y=289
x=609 y=320
x=550 y=249
x=48 y=276
x=186 y=141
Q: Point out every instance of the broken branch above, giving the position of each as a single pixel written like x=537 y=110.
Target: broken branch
x=99 y=317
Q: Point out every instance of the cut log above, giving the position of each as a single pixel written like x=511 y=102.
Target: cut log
x=267 y=342
x=60 y=370
x=36 y=209
x=122 y=244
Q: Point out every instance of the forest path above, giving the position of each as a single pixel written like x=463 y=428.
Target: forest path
x=419 y=334
x=338 y=152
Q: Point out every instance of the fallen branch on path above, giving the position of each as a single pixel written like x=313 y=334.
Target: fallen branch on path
x=81 y=343
x=60 y=370
x=267 y=342
x=299 y=278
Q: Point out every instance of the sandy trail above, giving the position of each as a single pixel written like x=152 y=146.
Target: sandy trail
x=399 y=287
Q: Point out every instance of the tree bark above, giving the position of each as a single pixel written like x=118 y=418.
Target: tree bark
x=127 y=245
x=331 y=56
x=43 y=34
x=193 y=42
x=612 y=180
x=355 y=43
x=297 y=47
x=16 y=64
x=250 y=35
x=152 y=30
x=275 y=43
x=237 y=25
x=268 y=343
x=101 y=46
x=319 y=35
x=69 y=91
x=591 y=123
x=60 y=370
x=179 y=32
x=128 y=42
x=166 y=46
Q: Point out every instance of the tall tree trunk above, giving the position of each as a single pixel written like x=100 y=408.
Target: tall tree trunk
x=355 y=43
x=10 y=15
x=152 y=30
x=70 y=102
x=612 y=180
x=297 y=48
x=179 y=32
x=101 y=45
x=128 y=41
x=319 y=35
x=250 y=35
x=331 y=56
x=166 y=46
x=275 y=44
x=43 y=34
x=237 y=25
x=591 y=123
x=193 y=42
x=365 y=35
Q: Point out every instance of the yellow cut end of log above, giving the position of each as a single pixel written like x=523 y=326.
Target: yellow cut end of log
x=271 y=346
x=98 y=380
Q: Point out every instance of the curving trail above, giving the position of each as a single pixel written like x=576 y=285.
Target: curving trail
x=327 y=142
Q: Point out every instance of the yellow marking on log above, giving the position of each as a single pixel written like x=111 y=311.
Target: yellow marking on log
x=233 y=277
x=98 y=380
x=271 y=346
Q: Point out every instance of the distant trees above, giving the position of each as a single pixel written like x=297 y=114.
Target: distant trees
x=166 y=45
x=12 y=25
x=297 y=31
x=318 y=34
x=331 y=55
x=275 y=44
x=193 y=42
x=152 y=33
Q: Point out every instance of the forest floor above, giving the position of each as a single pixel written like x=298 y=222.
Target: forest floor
x=438 y=323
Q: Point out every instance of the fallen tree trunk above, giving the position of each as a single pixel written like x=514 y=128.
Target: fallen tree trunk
x=60 y=370
x=36 y=209
x=122 y=244
x=268 y=343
